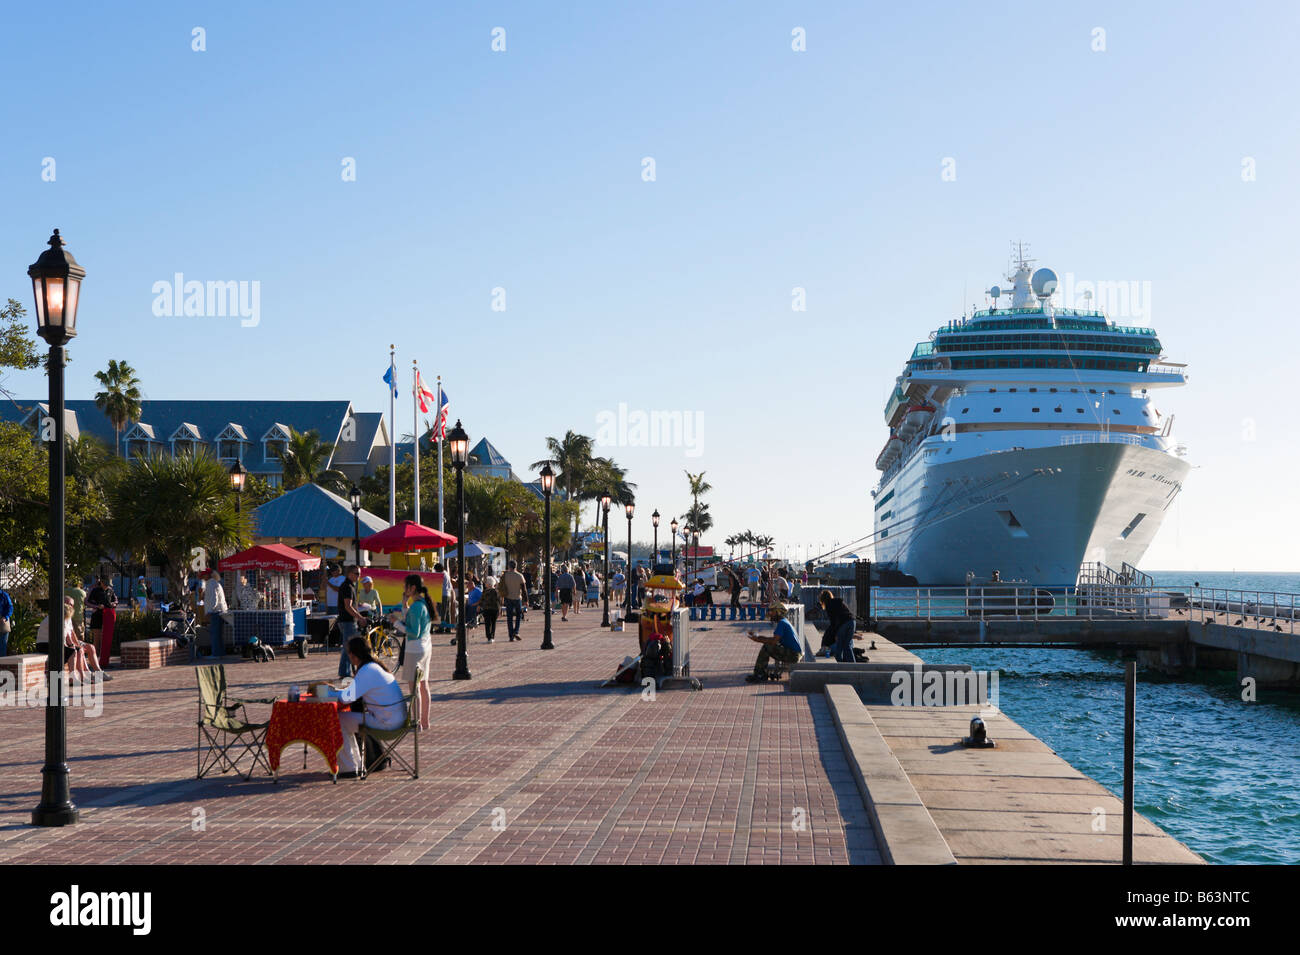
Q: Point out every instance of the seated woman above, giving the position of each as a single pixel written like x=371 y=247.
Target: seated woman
x=383 y=701
x=82 y=659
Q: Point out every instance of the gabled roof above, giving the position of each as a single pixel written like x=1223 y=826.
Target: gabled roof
x=41 y=410
x=278 y=430
x=311 y=513
x=367 y=427
x=140 y=428
x=187 y=431
x=233 y=432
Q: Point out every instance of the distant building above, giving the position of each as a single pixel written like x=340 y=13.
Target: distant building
x=483 y=459
x=251 y=432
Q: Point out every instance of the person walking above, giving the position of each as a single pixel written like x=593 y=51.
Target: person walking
x=103 y=601
x=6 y=621
x=214 y=605
x=489 y=606
x=350 y=619
x=735 y=586
x=566 y=585
x=514 y=591
x=443 y=579
x=754 y=578
x=141 y=593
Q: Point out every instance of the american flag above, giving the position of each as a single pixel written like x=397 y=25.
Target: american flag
x=439 y=429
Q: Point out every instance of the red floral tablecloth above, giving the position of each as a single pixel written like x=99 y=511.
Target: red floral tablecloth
x=307 y=721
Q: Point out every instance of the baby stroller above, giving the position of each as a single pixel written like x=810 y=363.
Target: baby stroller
x=181 y=626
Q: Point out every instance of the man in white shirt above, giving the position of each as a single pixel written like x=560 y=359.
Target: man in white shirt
x=214 y=605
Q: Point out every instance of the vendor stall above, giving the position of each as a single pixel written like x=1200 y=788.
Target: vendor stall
x=265 y=583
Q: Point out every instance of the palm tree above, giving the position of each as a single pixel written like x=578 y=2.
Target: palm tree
x=120 y=399
x=571 y=459
x=305 y=459
x=699 y=516
x=181 y=507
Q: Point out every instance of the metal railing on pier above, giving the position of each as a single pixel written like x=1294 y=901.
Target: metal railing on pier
x=1265 y=610
x=1024 y=602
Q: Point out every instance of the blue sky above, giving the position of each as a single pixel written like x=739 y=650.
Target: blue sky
x=774 y=169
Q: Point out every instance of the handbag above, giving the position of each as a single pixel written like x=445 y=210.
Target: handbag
x=401 y=654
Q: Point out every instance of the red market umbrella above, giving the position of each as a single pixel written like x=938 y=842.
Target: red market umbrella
x=276 y=557
x=406 y=536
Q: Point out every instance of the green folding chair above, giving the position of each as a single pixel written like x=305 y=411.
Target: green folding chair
x=388 y=740
x=224 y=726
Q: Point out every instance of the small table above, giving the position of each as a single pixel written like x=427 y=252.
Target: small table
x=305 y=720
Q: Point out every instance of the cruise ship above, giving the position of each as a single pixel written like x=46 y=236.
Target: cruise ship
x=1026 y=441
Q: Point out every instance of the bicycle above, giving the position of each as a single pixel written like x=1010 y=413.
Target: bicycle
x=384 y=641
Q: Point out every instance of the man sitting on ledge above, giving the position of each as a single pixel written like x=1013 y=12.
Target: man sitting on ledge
x=783 y=645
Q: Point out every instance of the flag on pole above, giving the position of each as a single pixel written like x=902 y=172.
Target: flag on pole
x=439 y=430
x=391 y=379
x=423 y=394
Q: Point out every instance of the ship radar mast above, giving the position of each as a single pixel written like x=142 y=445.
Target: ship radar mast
x=1025 y=285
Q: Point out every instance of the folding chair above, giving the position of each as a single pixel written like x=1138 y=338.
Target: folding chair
x=388 y=740
x=223 y=724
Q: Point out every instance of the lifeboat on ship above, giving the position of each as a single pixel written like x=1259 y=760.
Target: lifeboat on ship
x=914 y=419
x=889 y=454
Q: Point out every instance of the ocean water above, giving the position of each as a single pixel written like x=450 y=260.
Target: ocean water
x=1217 y=773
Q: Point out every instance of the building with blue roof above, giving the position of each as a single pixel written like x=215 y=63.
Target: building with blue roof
x=251 y=432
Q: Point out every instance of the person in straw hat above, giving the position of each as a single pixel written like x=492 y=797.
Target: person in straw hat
x=783 y=645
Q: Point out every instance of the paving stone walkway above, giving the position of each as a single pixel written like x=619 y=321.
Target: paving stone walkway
x=529 y=762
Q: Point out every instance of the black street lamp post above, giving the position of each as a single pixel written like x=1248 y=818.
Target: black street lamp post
x=548 y=484
x=507 y=554
x=604 y=507
x=672 y=525
x=355 y=497
x=654 y=559
x=56 y=281
x=458 y=442
x=237 y=477
x=630 y=506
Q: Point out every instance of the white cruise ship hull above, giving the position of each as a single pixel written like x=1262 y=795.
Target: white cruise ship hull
x=1032 y=514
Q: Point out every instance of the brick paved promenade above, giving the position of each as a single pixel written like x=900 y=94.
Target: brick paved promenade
x=582 y=774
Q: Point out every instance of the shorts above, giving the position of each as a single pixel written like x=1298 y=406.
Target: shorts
x=419 y=653
x=566 y=595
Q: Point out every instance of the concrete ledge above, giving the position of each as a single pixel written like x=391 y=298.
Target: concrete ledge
x=152 y=654
x=28 y=669
x=905 y=832
x=947 y=684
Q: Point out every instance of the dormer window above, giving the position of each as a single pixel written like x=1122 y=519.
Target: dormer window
x=275 y=442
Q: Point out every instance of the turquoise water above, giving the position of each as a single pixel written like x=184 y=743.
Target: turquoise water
x=1217 y=773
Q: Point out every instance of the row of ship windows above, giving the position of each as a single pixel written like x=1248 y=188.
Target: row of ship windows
x=1057 y=409
x=1083 y=343
x=1094 y=364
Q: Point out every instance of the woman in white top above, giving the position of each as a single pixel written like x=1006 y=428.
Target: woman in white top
x=417 y=624
x=82 y=653
x=383 y=699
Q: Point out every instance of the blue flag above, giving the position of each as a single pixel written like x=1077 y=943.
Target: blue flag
x=388 y=377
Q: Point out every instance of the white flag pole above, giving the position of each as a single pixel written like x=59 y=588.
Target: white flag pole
x=392 y=435
x=415 y=411
x=438 y=424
